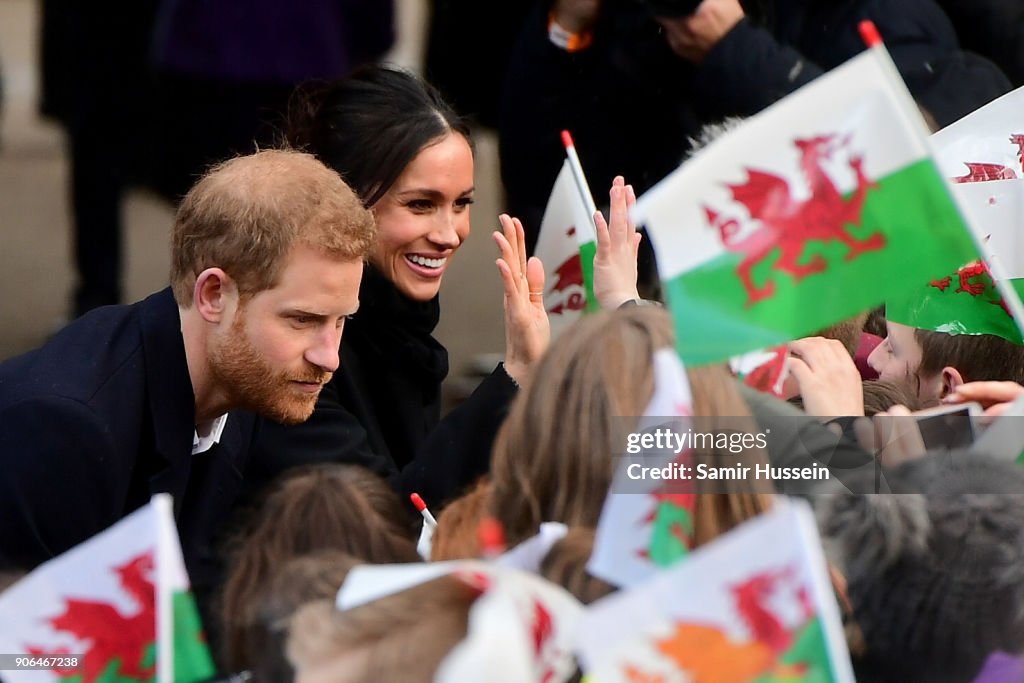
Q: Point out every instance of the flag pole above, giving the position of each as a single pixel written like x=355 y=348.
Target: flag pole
x=873 y=39
x=428 y=518
x=579 y=177
x=163 y=507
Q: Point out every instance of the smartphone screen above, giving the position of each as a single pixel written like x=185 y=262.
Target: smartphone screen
x=948 y=430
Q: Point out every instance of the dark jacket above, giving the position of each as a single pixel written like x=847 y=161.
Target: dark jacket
x=382 y=408
x=95 y=422
x=994 y=28
x=806 y=38
x=624 y=99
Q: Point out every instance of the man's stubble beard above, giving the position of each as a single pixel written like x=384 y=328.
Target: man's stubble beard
x=253 y=384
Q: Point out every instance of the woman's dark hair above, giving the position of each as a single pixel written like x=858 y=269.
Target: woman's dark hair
x=369 y=126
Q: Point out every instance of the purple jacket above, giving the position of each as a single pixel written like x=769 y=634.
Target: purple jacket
x=270 y=41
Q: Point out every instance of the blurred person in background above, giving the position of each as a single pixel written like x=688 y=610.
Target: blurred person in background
x=633 y=81
x=994 y=28
x=153 y=92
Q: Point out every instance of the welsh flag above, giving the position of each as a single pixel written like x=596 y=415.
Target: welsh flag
x=812 y=211
x=646 y=526
x=982 y=154
x=753 y=605
x=987 y=144
x=996 y=209
x=967 y=301
x=765 y=370
x=120 y=600
x=567 y=245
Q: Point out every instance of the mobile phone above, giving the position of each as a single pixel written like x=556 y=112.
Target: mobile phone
x=948 y=427
x=1004 y=438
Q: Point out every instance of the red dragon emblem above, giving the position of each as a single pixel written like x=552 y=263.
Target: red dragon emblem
x=974 y=279
x=567 y=289
x=789 y=224
x=978 y=172
x=115 y=639
x=752 y=596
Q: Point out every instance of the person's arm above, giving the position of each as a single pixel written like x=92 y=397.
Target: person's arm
x=757 y=68
x=458 y=451
x=60 y=477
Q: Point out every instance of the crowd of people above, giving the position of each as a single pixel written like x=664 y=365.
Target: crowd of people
x=285 y=386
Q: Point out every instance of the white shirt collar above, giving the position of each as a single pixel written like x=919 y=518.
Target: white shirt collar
x=201 y=444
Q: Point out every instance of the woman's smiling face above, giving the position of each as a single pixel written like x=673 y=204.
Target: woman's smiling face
x=424 y=217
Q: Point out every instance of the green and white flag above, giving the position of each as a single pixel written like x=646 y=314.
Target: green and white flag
x=567 y=245
x=754 y=605
x=967 y=300
x=996 y=210
x=987 y=144
x=810 y=212
x=647 y=526
x=981 y=155
x=120 y=602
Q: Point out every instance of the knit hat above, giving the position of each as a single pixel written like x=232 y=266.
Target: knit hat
x=935 y=578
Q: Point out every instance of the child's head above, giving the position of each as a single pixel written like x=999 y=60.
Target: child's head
x=340 y=507
x=403 y=637
x=932 y=364
x=300 y=580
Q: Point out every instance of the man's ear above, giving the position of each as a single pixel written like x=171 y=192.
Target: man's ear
x=951 y=380
x=215 y=293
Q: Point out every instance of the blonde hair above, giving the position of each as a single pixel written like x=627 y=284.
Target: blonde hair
x=555 y=455
x=246 y=214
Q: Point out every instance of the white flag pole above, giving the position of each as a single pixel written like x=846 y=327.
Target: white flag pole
x=164 y=510
x=581 y=180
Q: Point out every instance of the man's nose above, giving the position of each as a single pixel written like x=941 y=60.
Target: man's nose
x=324 y=352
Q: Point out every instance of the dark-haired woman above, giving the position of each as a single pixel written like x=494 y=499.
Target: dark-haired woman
x=410 y=159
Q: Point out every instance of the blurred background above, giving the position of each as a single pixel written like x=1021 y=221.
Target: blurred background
x=37 y=279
